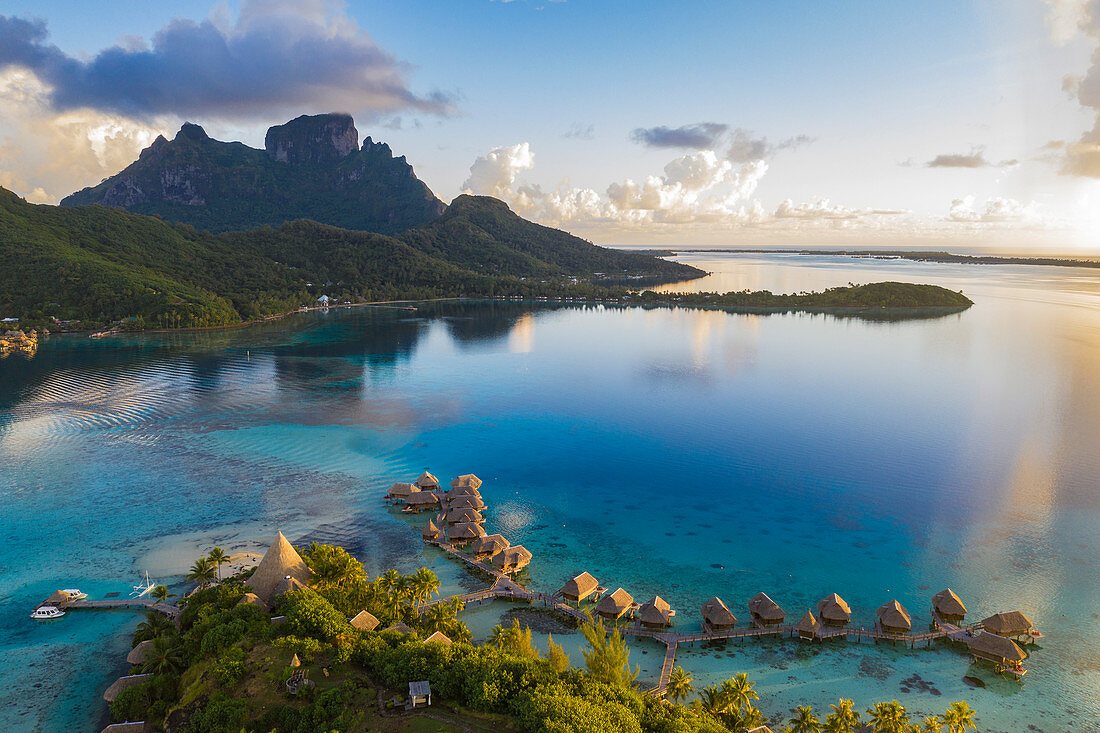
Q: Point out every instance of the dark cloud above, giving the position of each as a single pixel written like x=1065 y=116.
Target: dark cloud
x=699 y=136
x=974 y=159
x=745 y=148
x=277 y=57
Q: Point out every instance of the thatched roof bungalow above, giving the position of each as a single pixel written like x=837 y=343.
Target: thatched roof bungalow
x=578 y=588
x=489 y=545
x=948 y=606
x=463 y=533
x=280 y=562
x=465 y=501
x=893 y=618
x=365 y=620
x=135 y=727
x=834 y=611
x=430 y=531
x=463 y=515
x=512 y=559
x=655 y=613
x=996 y=649
x=765 y=611
x=419 y=501
x=466 y=481
x=289 y=584
x=717 y=616
x=807 y=627
x=123 y=683
x=251 y=599
x=613 y=606
x=440 y=637
x=427 y=482
x=138 y=654
x=401 y=492
x=1012 y=624
x=401 y=628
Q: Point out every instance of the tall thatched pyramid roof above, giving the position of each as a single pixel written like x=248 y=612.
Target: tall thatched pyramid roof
x=280 y=561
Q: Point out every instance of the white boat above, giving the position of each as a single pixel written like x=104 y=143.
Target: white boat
x=47 y=612
x=75 y=594
x=144 y=587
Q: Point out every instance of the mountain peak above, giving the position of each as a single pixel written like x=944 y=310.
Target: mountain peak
x=312 y=139
x=191 y=131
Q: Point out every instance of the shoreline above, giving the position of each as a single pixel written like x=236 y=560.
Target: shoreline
x=935 y=256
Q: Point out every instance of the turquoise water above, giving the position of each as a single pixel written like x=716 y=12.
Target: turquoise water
x=686 y=453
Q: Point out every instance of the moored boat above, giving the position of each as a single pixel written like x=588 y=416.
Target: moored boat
x=46 y=612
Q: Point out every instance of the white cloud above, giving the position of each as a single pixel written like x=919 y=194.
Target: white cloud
x=494 y=174
x=995 y=210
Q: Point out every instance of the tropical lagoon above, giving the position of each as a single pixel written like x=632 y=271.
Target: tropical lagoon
x=673 y=451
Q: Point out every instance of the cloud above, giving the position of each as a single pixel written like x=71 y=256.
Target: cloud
x=494 y=174
x=276 y=57
x=1067 y=19
x=996 y=210
x=580 y=131
x=743 y=147
x=698 y=136
x=974 y=159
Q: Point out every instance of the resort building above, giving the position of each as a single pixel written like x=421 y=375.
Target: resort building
x=463 y=533
x=401 y=628
x=579 y=588
x=471 y=501
x=419 y=501
x=765 y=611
x=440 y=637
x=123 y=683
x=279 y=566
x=463 y=515
x=488 y=546
x=139 y=653
x=997 y=649
x=893 y=618
x=430 y=531
x=948 y=606
x=466 y=480
x=427 y=482
x=365 y=621
x=1011 y=625
x=807 y=627
x=251 y=599
x=834 y=611
x=655 y=613
x=717 y=616
x=613 y=606
x=512 y=559
x=401 y=492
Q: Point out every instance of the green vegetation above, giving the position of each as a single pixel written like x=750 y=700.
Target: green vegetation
x=851 y=298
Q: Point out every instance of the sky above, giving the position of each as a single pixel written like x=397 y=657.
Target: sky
x=950 y=124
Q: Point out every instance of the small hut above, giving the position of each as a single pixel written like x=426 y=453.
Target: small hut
x=440 y=637
x=289 y=584
x=138 y=654
x=365 y=621
x=893 y=618
x=578 y=588
x=463 y=491
x=997 y=649
x=430 y=531
x=765 y=611
x=834 y=611
x=427 y=482
x=295 y=663
x=1011 y=625
x=466 y=501
x=717 y=616
x=400 y=628
x=613 y=606
x=401 y=492
x=807 y=627
x=466 y=480
x=419 y=501
x=461 y=516
x=948 y=606
x=420 y=693
x=123 y=683
x=512 y=559
x=488 y=546
x=655 y=613
x=251 y=599
x=463 y=533
x=280 y=562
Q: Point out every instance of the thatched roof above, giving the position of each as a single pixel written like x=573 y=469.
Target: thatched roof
x=251 y=599
x=808 y=624
x=462 y=515
x=288 y=584
x=440 y=637
x=893 y=614
x=834 y=608
x=466 y=531
x=123 y=683
x=402 y=491
x=716 y=613
x=1012 y=623
x=57 y=598
x=138 y=653
x=466 y=480
x=948 y=604
x=280 y=561
x=422 y=498
x=766 y=608
x=466 y=502
x=655 y=611
x=490 y=544
x=294 y=661
x=365 y=620
x=615 y=604
x=430 y=531
x=512 y=558
x=427 y=481
x=991 y=646
x=581 y=586
x=136 y=727
x=400 y=627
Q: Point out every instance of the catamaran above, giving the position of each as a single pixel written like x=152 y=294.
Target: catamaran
x=144 y=587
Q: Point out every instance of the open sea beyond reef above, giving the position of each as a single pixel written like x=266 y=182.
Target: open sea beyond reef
x=688 y=453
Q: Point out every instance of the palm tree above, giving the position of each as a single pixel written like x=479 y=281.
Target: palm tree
x=679 y=685
x=712 y=699
x=160 y=594
x=497 y=637
x=202 y=572
x=889 y=717
x=959 y=717
x=165 y=655
x=218 y=557
x=932 y=724
x=424 y=585
x=153 y=626
x=844 y=717
x=804 y=721
x=439 y=618
x=738 y=692
x=749 y=718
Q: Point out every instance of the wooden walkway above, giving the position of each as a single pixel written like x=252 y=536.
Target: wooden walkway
x=133 y=604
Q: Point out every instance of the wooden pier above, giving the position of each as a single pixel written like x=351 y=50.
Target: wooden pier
x=132 y=604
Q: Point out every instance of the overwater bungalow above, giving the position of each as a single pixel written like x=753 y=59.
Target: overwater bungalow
x=463 y=533
x=365 y=620
x=655 y=613
x=948 y=606
x=717 y=616
x=440 y=637
x=400 y=492
x=463 y=515
x=139 y=653
x=1004 y=653
x=430 y=531
x=765 y=611
x=488 y=546
x=279 y=564
x=893 y=618
x=251 y=599
x=834 y=611
x=427 y=482
x=613 y=606
x=579 y=588
x=419 y=501
x=807 y=627
x=1011 y=625
x=466 y=480
x=466 y=502
x=512 y=559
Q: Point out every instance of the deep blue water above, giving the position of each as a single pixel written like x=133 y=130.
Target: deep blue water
x=681 y=452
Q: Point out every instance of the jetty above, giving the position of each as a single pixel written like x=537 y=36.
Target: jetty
x=131 y=604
